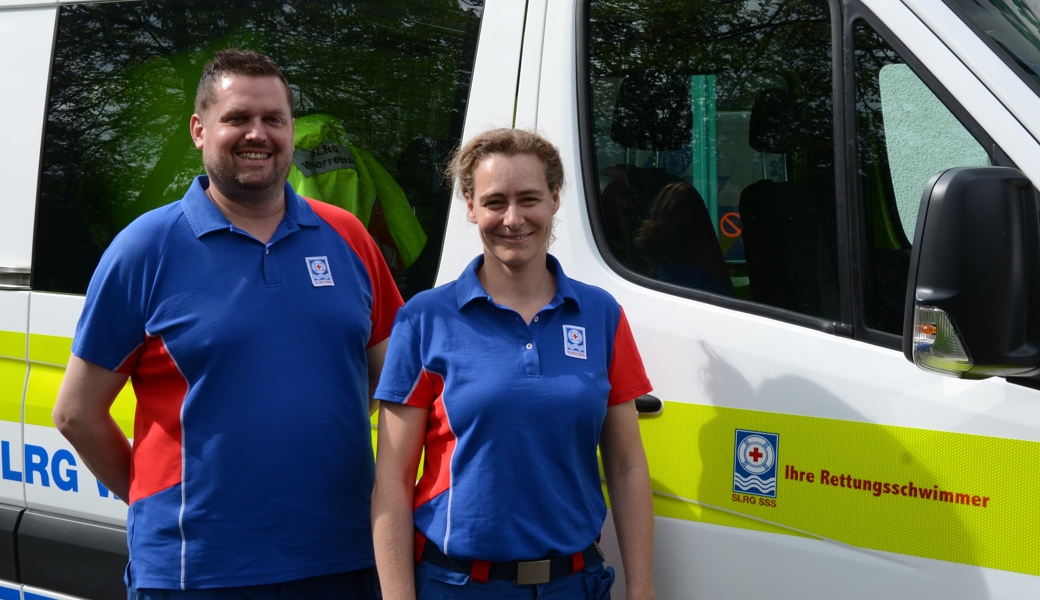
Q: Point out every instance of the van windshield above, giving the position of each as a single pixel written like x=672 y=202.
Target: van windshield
x=1013 y=24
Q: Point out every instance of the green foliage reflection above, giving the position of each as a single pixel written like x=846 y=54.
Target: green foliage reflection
x=123 y=87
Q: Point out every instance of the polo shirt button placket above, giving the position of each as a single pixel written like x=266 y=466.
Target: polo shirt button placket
x=532 y=366
x=271 y=278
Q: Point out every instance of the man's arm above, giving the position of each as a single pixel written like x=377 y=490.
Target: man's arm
x=628 y=481
x=376 y=355
x=82 y=416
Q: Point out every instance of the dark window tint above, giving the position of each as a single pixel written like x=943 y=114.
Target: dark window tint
x=713 y=127
x=905 y=135
x=388 y=81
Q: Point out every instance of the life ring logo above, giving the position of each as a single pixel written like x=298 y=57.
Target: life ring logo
x=755 y=463
x=574 y=342
x=318 y=268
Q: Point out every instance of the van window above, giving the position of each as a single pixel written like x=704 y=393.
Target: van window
x=905 y=135
x=387 y=81
x=714 y=149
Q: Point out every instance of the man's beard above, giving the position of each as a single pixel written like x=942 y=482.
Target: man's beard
x=244 y=187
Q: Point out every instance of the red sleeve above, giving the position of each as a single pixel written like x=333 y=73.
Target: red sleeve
x=386 y=298
x=627 y=376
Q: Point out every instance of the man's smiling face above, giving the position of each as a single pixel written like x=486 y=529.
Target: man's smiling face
x=246 y=137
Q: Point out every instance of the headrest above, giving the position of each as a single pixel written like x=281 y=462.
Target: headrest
x=653 y=111
x=778 y=123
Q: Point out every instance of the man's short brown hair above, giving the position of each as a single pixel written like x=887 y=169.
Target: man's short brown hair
x=234 y=61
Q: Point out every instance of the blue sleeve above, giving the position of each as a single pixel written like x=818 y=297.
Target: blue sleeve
x=111 y=328
x=404 y=380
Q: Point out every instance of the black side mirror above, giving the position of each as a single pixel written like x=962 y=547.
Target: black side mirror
x=973 y=291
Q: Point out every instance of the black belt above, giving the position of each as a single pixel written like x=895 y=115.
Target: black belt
x=523 y=572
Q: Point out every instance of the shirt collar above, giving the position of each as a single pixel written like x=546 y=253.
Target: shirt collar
x=204 y=216
x=468 y=287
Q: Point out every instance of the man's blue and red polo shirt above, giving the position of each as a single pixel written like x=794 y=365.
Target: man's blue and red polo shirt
x=252 y=459
x=516 y=412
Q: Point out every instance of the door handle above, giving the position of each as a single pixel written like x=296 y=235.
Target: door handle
x=649 y=405
x=14 y=278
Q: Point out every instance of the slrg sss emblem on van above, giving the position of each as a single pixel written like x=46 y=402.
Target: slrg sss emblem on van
x=755 y=463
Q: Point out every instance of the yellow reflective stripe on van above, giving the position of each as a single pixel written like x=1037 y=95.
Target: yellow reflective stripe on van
x=124 y=408
x=374 y=420
x=48 y=355
x=50 y=349
x=12 y=375
x=957 y=497
x=12 y=345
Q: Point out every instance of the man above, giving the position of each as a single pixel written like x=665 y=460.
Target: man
x=252 y=324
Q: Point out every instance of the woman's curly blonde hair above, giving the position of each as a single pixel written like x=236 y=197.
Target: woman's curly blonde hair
x=509 y=142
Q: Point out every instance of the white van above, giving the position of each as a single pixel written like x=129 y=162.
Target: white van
x=744 y=177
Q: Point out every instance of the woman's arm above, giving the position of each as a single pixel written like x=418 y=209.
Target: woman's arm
x=628 y=481
x=401 y=431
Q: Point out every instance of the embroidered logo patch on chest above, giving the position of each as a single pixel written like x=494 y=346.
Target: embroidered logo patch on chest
x=574 y=341
x=318 y=267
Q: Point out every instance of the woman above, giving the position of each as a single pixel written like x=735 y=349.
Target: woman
x=510 y=377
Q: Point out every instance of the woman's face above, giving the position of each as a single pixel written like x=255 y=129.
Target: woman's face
x=513 y=208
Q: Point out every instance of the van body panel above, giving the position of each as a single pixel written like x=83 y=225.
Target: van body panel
x=14 y=371
x=708 y=355
x=61 y=553
x=527 y=92
x=776 y=566
x=26 y=37
x=492 y=101
x=56 y=480
x=492 y=96
x=10 y=517
x=4 y=4
x=55 y=315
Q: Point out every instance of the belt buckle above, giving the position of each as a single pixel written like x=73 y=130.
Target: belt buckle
x=532 y=572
